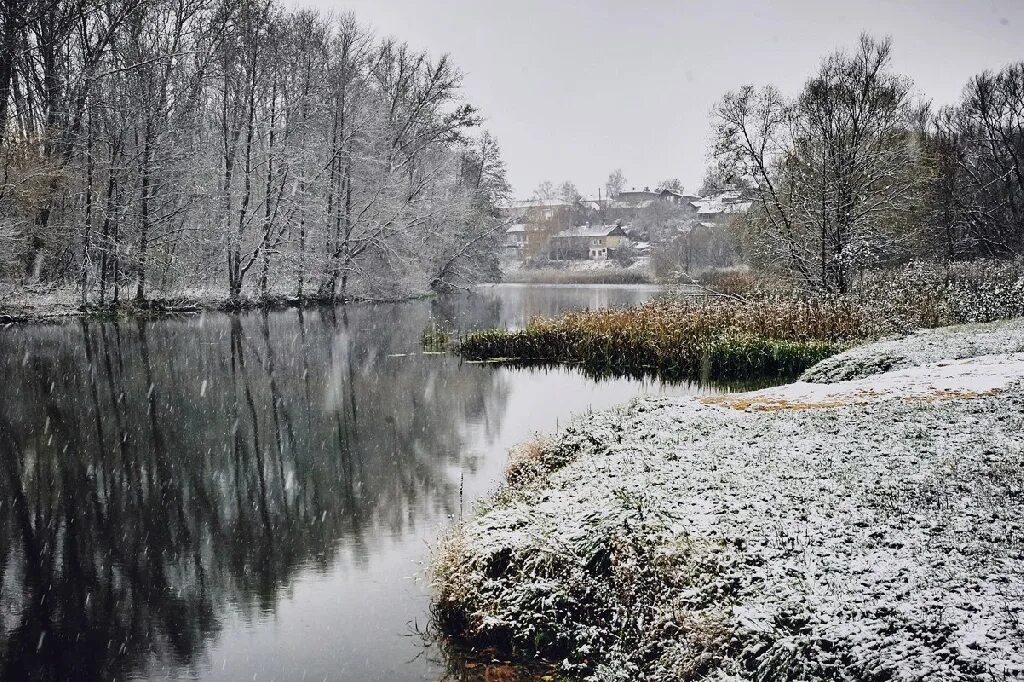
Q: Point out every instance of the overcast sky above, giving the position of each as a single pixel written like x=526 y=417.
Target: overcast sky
x=576 y=88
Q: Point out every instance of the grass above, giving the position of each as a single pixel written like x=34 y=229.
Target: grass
x=435 y=338
x=686 y=339
x=620 y=546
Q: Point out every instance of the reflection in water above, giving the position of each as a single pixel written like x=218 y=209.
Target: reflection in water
x=233 y=494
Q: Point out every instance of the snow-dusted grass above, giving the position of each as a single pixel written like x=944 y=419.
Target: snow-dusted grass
x=924 y=347
x=864 y=533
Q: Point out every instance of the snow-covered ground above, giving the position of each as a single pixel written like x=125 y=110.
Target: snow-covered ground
x=925 y=347
x=869 y=529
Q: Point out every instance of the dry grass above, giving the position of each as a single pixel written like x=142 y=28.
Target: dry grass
x=450 y=577
x=760 y=327
x=770 y=403
x=526 y=462
x=681 y=339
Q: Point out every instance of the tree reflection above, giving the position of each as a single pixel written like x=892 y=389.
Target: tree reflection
x=155 y=473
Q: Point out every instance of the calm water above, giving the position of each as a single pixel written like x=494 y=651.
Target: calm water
x=252 y=497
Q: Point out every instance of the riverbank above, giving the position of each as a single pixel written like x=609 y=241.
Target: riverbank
x=866 y=523
x=62 y=304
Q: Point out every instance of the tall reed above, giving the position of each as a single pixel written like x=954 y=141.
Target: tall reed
x=686 y=338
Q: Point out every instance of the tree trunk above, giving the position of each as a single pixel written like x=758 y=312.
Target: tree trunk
x=87 y=228
x=140 y=293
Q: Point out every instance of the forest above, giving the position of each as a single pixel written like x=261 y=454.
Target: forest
x=234 y=150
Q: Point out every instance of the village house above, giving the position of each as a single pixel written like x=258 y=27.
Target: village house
x=587 y=242
x=627 y=205
x=516 y=237
x=641 y=198
x=719 y=208
x=539 y=228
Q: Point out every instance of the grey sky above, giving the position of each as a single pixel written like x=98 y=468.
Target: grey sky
x=576 y=88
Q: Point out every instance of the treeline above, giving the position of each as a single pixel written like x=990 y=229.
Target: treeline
x=854 y=173
x=158 y=147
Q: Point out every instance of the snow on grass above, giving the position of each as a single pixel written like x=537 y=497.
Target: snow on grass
x=924 y=347
x=865 y=540
x=962 y=378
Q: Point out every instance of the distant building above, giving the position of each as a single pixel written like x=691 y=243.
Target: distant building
x=719 y=208
x=540 y=230
x=525 y=210
x=516 y=237
x=596 y=242
x=644 y=197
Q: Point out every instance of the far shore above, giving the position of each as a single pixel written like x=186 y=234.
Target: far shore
x=58 y=305
x=585 y=272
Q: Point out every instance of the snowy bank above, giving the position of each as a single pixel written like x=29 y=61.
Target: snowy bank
x=925 y=347
x=869 y=529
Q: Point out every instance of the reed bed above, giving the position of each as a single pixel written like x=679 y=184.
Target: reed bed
x=696 y=339
x=758 y=328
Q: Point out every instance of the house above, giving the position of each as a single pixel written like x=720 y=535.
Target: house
x=596 y=242
x=720 y=207
x=644 y=197
x=516 y=236
x=636 y=197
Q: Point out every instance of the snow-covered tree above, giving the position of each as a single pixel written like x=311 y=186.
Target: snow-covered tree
x=153 y=147
x=838 y=168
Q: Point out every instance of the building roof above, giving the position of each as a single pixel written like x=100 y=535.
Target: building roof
x=641 y=203
x=633 y=195
x=524 y=204
x=727 y=201
x=518 y=227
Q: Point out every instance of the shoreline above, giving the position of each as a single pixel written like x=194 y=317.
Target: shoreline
x=576 y=275
x=36 y=308
x=57 y=311
x=864 y=522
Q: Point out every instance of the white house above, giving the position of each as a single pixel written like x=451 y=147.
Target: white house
x=594 y=242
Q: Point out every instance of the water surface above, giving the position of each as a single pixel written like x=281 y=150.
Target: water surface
x=228 y=497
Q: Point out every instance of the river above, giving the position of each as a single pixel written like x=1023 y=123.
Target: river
x=254 y=496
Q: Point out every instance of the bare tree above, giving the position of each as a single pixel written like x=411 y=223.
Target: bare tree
x=838 y=169
x=191 y=145
x=978 y=146
x=615 y=183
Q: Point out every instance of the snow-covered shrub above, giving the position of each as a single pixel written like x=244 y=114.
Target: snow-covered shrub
x=983 y=291
x=924 y=294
